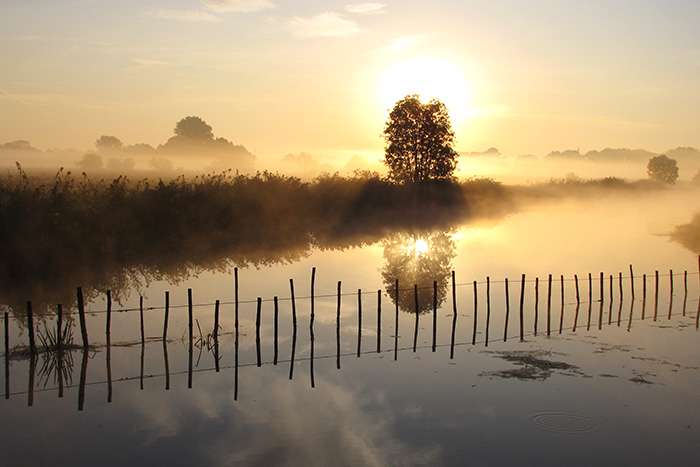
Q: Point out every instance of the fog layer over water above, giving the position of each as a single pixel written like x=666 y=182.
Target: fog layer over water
x=610 y=385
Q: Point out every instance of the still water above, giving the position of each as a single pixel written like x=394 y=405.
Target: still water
x=615 y=380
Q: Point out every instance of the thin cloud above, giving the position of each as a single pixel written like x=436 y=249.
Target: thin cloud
x=241 y=6
x=326 y=24
x=366 y=8
x=183 y=15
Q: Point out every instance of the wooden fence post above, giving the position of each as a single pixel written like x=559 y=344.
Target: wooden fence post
x=30 y=328
x=81 y=315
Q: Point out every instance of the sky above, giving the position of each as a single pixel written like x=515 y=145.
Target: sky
x=280 y=76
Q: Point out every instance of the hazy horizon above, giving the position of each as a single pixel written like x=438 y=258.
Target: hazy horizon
x=319 y=77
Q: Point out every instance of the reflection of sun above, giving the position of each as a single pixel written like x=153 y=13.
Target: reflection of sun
x=429 y=77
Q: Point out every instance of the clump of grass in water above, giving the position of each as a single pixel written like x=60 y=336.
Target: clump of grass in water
x=57 y=357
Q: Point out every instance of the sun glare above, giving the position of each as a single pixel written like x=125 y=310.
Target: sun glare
x=418 y=247
x=429 y=77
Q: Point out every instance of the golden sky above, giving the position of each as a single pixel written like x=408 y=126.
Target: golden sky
x=317 y=76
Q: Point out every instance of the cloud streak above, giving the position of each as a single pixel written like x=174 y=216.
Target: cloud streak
x=241 y=6
x=366 y=8
x=326 y=24
x=183 y=15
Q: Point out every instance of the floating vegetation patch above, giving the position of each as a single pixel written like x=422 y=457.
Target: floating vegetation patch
x=532 y=366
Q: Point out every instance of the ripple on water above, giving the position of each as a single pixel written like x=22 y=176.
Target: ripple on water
x=562 y=422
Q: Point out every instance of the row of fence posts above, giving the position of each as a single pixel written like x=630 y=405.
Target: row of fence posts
x=190 y=305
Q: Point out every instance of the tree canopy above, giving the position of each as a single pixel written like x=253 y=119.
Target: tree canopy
x=194 y=128
x=663 y=169
x=419 y=141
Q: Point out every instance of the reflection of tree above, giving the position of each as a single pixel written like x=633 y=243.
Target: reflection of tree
x=688 y=234
x=418 y=259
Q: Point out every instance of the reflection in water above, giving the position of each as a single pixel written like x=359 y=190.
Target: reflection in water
x=418 y=260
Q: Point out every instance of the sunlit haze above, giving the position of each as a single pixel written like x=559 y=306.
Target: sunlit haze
x=320 y=77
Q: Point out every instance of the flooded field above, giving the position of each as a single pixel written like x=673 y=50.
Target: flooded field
x=593 y=365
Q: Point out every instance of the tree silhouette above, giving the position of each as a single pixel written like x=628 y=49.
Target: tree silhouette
x=662 y=169
x=194 y=128
x=108 y=143
x=419 y=141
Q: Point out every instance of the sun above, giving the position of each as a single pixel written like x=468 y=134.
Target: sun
x=430 y=77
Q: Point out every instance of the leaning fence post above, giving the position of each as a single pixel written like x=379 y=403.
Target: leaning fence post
x=81 y=315
x=505 y=327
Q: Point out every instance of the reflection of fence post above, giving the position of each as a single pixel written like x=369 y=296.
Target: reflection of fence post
x=81 y=315
x=32 y=374
x=30 y=328
x=83 y=379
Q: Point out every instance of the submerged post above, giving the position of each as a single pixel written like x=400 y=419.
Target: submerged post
x=656 y=294
x=257 y=331
x=505 y=327
x=644 y=295
x=454 y=317
x=108 y=325
x=561 y=314
x=277 y=312
x=697 y=316
x=396 y=324
x=311 y=326
x=379 y=321
x=415 y=332
x=143 y=333
x=488 y=309
x=359 y=322
x=434 y=315
x=685 y=294
x=632 y=281
x=522 y=303
x=670 y=300
x=537 y=302
x=165 y=317
x=81 y=315
x=7 y=355
x=337 y=329
x=476 y=303
x=549 y=306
